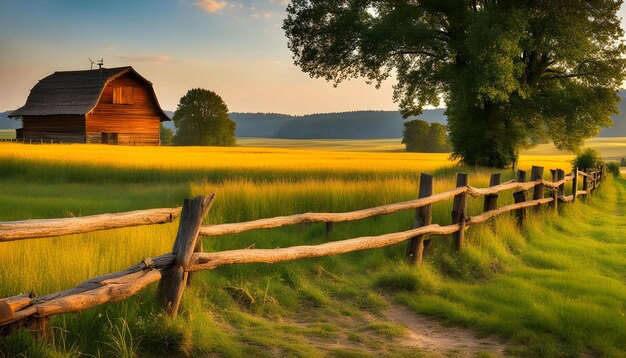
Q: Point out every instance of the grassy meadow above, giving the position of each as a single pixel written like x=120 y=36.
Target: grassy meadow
x=554 y=288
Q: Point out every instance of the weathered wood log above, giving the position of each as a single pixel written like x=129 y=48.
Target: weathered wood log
x=556 y=184
x=581 y=192
x=493 y=213
x=171 y=287
x=212 y=260
x=536 y=174
x=491 y=200
x=511 y=184
x=234 y=228
x=520 y=197
x=423 y=217
x=583 y=174
x=28 y=229
x=566 y=198
x=459 y=211
x=159 y=262
x=554 y=190
x=575 y=185
x=199 y=248
x=112 y=291
x=9 y=305
x=122 y=277
x=586 y=188
x=560 y=176
x=268 y=223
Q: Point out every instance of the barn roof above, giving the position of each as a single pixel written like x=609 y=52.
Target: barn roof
x=74 y=92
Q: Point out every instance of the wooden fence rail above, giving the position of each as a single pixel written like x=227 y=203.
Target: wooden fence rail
x=173 y=269
x=29 y=229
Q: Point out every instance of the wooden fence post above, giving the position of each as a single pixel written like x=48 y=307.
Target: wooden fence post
x=560 y=175
x=459 y=210
x=173 y=283
x=199 y=248
x=575 y=185
x=536 y=174
x=520 y=197
x=423 y=217
x=592 y=182
x=491 y=200
x=329 y=229
x=586 y=188
x=553 y=191
x=39 y=327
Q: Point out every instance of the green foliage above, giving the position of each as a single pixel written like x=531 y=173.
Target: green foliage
x=622 y=162
x=202 y=119
x=122 y=344
x=512 y=73
x=613 y=168
x=587 y=159
x=420 y=136
x=166 y=135
x=407 y=278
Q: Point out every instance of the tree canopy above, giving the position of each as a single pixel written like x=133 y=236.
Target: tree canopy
x=201 y=118
x=510 y=72
x=424 y=137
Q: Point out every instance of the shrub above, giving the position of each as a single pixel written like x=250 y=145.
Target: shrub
x=587 y=159
x=613 y=168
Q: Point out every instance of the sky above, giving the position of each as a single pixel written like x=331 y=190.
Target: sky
x=233 y=47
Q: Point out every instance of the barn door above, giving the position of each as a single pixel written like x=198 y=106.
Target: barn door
x=109 y=138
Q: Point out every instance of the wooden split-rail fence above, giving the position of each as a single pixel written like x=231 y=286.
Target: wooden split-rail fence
x=173 y=269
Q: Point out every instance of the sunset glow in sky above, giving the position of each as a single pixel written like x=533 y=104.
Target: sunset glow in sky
x=235 y=48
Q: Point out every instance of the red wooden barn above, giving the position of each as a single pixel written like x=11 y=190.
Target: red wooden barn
x=109 y=105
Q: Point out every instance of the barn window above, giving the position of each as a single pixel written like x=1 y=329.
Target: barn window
x=122 y=95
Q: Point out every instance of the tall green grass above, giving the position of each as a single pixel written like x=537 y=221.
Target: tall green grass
x=562 y=292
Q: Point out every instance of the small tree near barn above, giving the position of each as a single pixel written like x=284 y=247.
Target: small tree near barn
x=202 y=119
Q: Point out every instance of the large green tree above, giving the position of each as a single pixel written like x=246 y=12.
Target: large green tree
x=511 y=73
x=202 y=119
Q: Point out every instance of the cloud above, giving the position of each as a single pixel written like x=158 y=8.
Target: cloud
x=144 y=58
x=262 y=14
x=283 y=2
x=212 y=5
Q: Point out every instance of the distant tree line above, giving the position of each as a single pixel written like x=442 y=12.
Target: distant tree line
x=424 y=137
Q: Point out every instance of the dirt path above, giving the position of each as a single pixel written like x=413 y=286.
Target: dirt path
x=431 y=335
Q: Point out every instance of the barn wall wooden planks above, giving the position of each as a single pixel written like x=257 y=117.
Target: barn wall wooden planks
x=135 y=124
x=64 y=128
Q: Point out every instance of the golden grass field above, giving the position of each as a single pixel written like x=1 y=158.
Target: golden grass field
x=310 y=155
x=251 y=182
